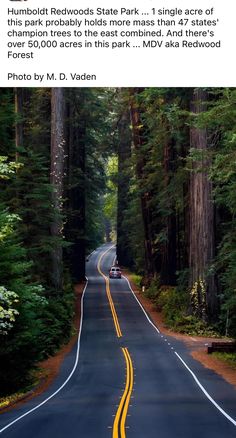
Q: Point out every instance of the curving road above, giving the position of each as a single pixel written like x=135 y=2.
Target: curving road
x=124 y=378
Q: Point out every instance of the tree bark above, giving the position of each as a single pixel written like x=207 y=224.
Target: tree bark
x=57 y=177
x=201 y=220
x=124 y=155
x=139 y=141
x=77 y=185
x=168 y=263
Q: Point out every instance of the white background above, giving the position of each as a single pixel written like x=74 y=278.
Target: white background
x=130 y=67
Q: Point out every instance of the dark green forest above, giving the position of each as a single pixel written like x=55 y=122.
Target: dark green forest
x=153 y=169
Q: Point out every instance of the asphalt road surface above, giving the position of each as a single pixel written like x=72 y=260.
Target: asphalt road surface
x=124 y=378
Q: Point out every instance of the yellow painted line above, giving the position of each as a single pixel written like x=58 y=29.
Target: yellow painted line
x=120 y=418
x=108 y=291
x=120 y=407
x=122 y=411
x=131 y=384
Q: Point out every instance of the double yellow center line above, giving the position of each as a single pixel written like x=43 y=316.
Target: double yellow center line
x=108 y=291
x=120 y=418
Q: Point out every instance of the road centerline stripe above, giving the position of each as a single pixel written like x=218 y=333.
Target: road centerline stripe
x=119 y=424
x=121 y=415
x=127 y=401
x=108 y=292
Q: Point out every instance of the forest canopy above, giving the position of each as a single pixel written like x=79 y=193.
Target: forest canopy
x=153 y=168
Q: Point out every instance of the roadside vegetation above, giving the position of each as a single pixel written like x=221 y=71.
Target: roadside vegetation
x=174 y=305
x=53 y=160
x=176 y=203
x=228 y=358
x=154 y=168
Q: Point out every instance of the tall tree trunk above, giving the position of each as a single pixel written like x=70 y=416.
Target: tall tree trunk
x=77 y=185
x=201 y=220
x=79 y=203
x=124 y=155
x=57 y=176
x=139 y=141
x=108 y=230
x=168 y=265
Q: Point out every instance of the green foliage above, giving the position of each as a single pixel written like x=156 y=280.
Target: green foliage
x=92 y=123
x=191 y=325
x=41 y=320
x=8 y=310
x=174 y=302
x=35 y=211
x=7 y=169
x=12 y=398
x=134 y=225
x=136 y=279
x=157 y=172
x=166 y=162
x=56 y=323
x=37 y=326
x=152 y=291
x=25 y=251
x=7 y=223
x=221 y=116
x=19 y=338
x=7 y=121
x=228 y=358
x=110 y=197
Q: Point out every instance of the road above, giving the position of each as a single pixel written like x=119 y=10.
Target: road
x=124 y=378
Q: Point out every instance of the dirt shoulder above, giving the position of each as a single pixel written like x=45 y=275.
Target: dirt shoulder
x=49 y=369
x=197 y=345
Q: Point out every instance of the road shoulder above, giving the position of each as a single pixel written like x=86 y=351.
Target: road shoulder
x=196 y=345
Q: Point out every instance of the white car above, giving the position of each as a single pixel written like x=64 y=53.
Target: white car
x=115 y=272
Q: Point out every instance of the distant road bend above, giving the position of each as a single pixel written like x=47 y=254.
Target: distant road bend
x=124 y=378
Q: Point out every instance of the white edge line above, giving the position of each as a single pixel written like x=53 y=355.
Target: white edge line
x=90 y=255
x=68 y=378
x=144 y=311
x=205 y=392
x=186 y=366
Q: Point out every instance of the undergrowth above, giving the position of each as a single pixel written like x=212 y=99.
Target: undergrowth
x=229 y=358
x=174 y=304
x=136 y=279
x=36 y=376
x=13 y=398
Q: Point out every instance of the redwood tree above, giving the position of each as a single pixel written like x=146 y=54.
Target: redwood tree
x=76 y=182
x=57 y=176
x=124 y=156
x=139 y=139
x=168 y=260
x=201 y=217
